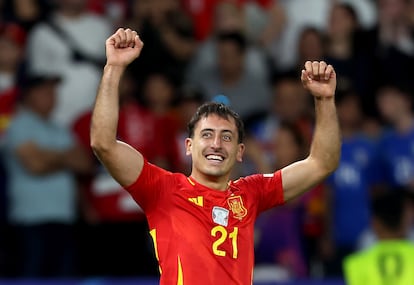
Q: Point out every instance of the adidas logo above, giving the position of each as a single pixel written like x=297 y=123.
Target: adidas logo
x=198 y=200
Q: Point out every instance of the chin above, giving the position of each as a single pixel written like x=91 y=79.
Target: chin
x=214 y=172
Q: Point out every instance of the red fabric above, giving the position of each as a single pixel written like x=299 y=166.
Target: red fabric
x=140 y=129
x=7 y=107
x=314 y=204
x=100 y=6
x=183 y=217
x=202 y=13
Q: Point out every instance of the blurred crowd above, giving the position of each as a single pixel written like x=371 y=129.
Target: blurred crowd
x=62 y=215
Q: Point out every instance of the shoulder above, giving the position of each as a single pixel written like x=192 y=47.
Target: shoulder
x=152 y=175
x=256 y=180
x=354 y=260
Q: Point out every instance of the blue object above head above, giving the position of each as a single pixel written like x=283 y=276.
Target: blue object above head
x=220 y=98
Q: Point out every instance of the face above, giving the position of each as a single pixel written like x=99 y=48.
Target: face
x=230 y=58
x=392 y=10
x=392 y=104
x=286 y=149
x=290 y=100
x=349 y=111
x=42 y=98
x=310 y=45
x=341 y=21
x=158 y=91
x=214 y=148
x=10 y=55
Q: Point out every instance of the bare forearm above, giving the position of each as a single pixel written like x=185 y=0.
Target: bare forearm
x=326 y=144
x=105 y=112
x=44 y=161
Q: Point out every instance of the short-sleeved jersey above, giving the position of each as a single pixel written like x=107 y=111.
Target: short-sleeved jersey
x=387 y=262
x=204 y=236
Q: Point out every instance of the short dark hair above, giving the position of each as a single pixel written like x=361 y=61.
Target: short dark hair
x=234 y=37
x=220 y=110
x=389 y=207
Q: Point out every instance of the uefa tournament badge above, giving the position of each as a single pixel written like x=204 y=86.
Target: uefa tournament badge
x=220 y=216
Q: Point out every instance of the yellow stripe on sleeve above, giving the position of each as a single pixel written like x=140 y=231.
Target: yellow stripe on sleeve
x=180 y=273
x=153 y=234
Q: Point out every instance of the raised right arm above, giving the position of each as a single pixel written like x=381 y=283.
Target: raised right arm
x=122 y=161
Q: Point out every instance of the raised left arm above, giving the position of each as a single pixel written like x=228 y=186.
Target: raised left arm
x=320 y=80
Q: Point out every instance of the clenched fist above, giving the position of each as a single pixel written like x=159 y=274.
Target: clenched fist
x=123 y=47
x=319 y=78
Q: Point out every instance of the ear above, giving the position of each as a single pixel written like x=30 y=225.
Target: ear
x=240 y=152
x=188 y=145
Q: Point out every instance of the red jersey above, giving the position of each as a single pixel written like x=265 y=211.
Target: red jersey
x=204 y=236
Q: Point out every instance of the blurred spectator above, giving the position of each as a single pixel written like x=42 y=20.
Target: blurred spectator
x=12 y=46
x=340 y=47
x=228 y=18
x=158 y=94
x=114 y=10
x=168 y=33
x=351 y=185
x=264 y=18
x=397 y=141
x=201 y=13
x=299 y=14
x=42 y=160
x=289 y=103
x=310 y=46
x=107 y=208
x=265 y=21
x=390 y=259
x=12 y=39
x=69 y=43
x=278 y=231
x=388 y=51
x=189 y=100
x=26 y=13
x=366 y=11
x=231 y=77
x=138 y=15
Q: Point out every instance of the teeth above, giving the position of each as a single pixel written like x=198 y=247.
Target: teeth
x=214 y=157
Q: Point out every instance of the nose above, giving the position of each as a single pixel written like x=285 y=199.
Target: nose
x=216 y=142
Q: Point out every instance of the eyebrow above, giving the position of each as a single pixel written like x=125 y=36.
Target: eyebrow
x=212 y=130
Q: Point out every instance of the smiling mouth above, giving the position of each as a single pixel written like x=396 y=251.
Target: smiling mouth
x=214 y=157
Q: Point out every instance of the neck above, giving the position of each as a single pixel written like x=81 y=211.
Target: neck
x=340 y=47
x=213 y=182
x=385 y=235
x=230 y=79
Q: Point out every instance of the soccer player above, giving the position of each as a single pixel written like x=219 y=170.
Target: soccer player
x=202 y=225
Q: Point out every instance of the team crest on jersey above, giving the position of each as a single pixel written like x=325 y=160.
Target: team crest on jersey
x=220 y=216
x=237 y=207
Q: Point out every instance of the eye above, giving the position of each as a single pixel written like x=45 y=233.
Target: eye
x=227 y=138
x=206 y=135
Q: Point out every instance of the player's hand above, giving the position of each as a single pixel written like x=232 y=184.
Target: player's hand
x=123 y=47
x=319 y=79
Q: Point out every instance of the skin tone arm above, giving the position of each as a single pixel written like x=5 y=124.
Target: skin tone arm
x=40 y=161
x=320 y=80
x=122 y=161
